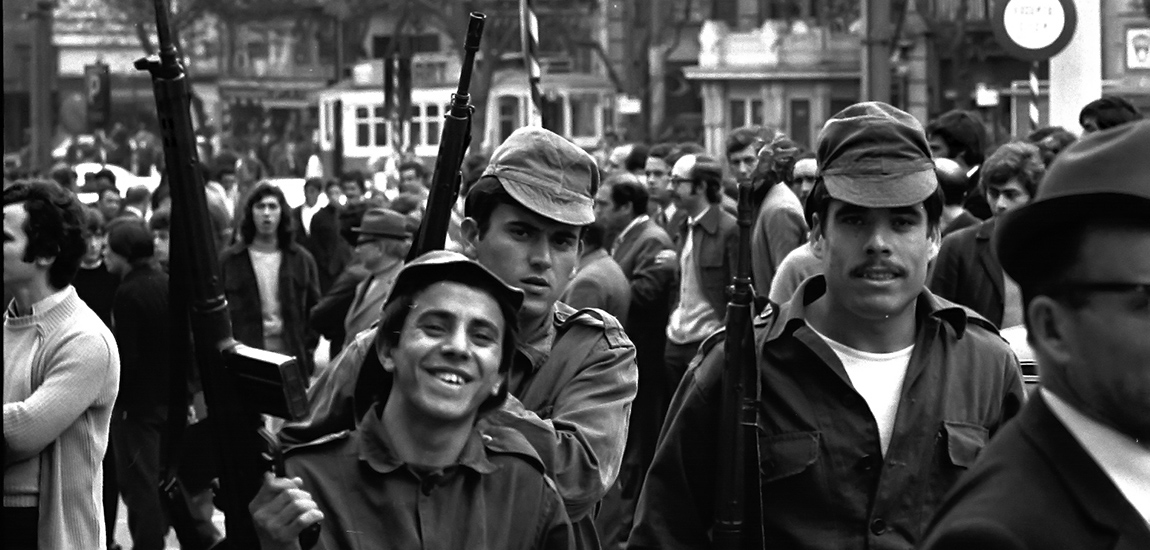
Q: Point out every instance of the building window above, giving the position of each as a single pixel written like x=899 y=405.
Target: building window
x=746 y=112
x=508 y=116
x=370 y=126
x=583 y=111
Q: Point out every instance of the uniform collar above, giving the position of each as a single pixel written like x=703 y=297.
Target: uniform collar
x=793 y=314
x=377 y=449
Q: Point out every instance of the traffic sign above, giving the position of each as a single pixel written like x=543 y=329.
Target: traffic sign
x=1034 y=30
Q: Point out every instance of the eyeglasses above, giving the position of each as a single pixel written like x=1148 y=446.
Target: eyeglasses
x=1109 y=287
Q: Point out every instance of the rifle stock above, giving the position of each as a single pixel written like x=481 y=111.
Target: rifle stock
x=737 y=429
x=453 y=143
x=240 y=382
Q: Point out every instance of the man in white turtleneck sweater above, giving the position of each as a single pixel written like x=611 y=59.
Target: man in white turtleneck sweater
x=61 y=375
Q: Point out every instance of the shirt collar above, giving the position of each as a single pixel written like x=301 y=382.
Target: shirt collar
x=697 y=219
x=792 y=314
x=377 y=449
x=634 y=223
x=536 y=346
x=1124 y=460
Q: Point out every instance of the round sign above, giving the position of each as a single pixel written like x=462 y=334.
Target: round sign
x=1034 y=30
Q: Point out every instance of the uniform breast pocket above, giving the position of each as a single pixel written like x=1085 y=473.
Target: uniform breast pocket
x=958 y=445
x=787 y=457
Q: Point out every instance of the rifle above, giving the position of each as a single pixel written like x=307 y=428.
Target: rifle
x=738 y=433
x=269 y=383
x=453 y=143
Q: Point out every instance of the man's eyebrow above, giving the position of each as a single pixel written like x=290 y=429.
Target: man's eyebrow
x=906 y=211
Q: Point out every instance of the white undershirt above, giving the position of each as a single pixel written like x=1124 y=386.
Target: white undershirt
x=1123 y=460
x=267 y=268
x=877 y=377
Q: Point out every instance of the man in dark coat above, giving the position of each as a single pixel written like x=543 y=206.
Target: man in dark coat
x=1073 y=470
x=967 y=271
x=141 y=324
x=598 y=282
x=270 y=281
x=317 y=230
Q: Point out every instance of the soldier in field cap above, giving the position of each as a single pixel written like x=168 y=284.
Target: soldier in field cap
x=875 y=394
x=574 y=375
x=1073 y=471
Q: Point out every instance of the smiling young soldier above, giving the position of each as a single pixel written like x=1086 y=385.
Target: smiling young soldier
x=574 y=375
x=875 y=394
x=416 y=472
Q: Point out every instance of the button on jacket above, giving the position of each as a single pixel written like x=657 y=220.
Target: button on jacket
x=825 y=481
x=496 y=497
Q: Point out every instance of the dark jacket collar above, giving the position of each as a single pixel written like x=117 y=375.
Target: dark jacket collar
x=1083 y=477
x=986 y=230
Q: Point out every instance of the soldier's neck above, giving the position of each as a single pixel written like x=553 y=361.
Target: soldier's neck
x=422 y=441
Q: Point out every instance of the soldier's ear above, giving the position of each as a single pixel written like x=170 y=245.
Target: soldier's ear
x=935 y=242
x=816 y=236
x=469 y=230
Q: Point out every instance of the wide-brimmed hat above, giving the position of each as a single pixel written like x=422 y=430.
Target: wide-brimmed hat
x=875 y=155
x=444 y=265
x=383 y=222
x=547 y=174
x=1103 y=175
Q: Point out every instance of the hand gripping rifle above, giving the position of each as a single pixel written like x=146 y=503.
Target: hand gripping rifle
x=737 y=486
x=453 y=143
x=240 y=382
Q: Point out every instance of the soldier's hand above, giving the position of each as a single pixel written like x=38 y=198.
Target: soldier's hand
x=280 y=511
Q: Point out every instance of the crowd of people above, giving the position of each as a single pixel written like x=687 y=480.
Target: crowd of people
x=554 y=378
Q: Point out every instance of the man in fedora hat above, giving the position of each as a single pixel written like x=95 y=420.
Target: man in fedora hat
x=574 y=375
x=417 y=471
x=874 y=394
x=383 y=239
x=1073 y=471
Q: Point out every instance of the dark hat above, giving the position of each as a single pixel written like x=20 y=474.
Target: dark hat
x=383 y=222
x=874 y=155
x=1103 y=174
x=131 y=238
x=547 y=174
x=444 y=265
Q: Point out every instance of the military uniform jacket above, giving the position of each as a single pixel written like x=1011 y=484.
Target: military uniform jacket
x=825 y=482
x=495 y=497
x=571 y=391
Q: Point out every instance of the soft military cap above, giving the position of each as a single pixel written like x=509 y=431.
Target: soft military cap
x=1104 y=174
x=875 y=155
x=445 y=265
x=547 y=174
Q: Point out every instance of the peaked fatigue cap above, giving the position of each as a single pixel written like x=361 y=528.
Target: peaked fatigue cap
x=875 y=155
x=445 y=265
x=547 y=174
x=1104 y=174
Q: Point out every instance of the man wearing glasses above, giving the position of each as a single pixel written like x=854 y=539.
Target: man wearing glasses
x=1073 y=470
x=707 y=242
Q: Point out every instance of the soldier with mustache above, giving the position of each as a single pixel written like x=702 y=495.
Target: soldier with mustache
x=875 y=394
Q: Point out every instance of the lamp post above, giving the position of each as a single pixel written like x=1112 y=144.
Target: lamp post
x=42 y=81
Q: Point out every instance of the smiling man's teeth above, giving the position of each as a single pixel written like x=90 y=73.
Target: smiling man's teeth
x=882 y=276
x=450 y=378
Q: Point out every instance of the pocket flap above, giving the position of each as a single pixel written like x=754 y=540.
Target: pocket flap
x=785 y=455
x=964 y=442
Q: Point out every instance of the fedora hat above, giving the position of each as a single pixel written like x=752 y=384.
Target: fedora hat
x=1104 y=174
x=383 y=222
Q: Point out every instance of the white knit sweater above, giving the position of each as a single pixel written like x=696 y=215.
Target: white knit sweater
x=61 y=373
